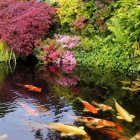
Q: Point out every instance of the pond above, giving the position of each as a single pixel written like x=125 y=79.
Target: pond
x=24 y=114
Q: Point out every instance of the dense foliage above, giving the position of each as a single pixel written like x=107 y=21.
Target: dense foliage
x=24 y=23
x=118 y=45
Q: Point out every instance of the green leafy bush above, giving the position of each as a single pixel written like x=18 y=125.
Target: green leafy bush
x=69 y=10
x=119 y=47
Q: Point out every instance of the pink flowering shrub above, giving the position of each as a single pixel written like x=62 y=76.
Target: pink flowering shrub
x=67 y=58
x=52 y=53
x=68 y=61
x=59 y=51
x=66 y=41
x=23 y=23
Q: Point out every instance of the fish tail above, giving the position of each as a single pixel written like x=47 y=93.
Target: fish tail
x=114 y=99
x=18 y=84
x=79 y=99
x=95 y=103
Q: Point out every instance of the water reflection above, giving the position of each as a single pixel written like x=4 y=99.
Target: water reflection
x=58 y=100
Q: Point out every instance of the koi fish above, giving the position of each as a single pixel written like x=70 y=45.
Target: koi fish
x=88 y=106
x=103 y=107
x=68 y=130
x=98 y=122
x=133 y=89
x=119 y=127
x=136 y=137
x=30 y=87
x=114 y=134
x=3 y=136
x=123 y=114
x=126 y=82
x=29 y=110
x=137 y=83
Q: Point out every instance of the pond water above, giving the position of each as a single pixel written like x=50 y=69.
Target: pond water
x=58 y=101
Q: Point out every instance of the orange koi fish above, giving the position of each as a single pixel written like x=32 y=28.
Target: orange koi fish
x=29 y=110
x=119 y=127
x=98 y=122
x=31 y=87
x=114 y=134
x=103 y=107
x=88 y=106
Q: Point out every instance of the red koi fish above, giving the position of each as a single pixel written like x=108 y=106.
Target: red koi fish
x=29 y=110
x=98 y=122
x=88 y=106
x=119 y=127
x=31 y=87
x=114 y=134
x=103 y=107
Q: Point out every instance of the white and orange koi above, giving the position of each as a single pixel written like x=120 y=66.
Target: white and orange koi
x=99 y=123
x=122 y=113
x=29 y=110
x=88 y=106
x=102 y=107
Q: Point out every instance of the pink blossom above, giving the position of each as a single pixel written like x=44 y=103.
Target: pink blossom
x=66 y=41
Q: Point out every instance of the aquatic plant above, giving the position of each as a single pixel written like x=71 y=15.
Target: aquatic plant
x=23 y=23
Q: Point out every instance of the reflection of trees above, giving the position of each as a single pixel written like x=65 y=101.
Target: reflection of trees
x=5 y=69
x=62 y=80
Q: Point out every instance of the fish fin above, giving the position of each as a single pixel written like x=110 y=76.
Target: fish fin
x=86 y=110
x=99 y=126
x=98 y=108
x=104 y=109
x=66 y=134
x=119 y=117
x=81 y=127
x=63 y=134
x=112 y=109
x=132 y=116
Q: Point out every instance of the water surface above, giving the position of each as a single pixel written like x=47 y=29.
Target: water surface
x=58 y=100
